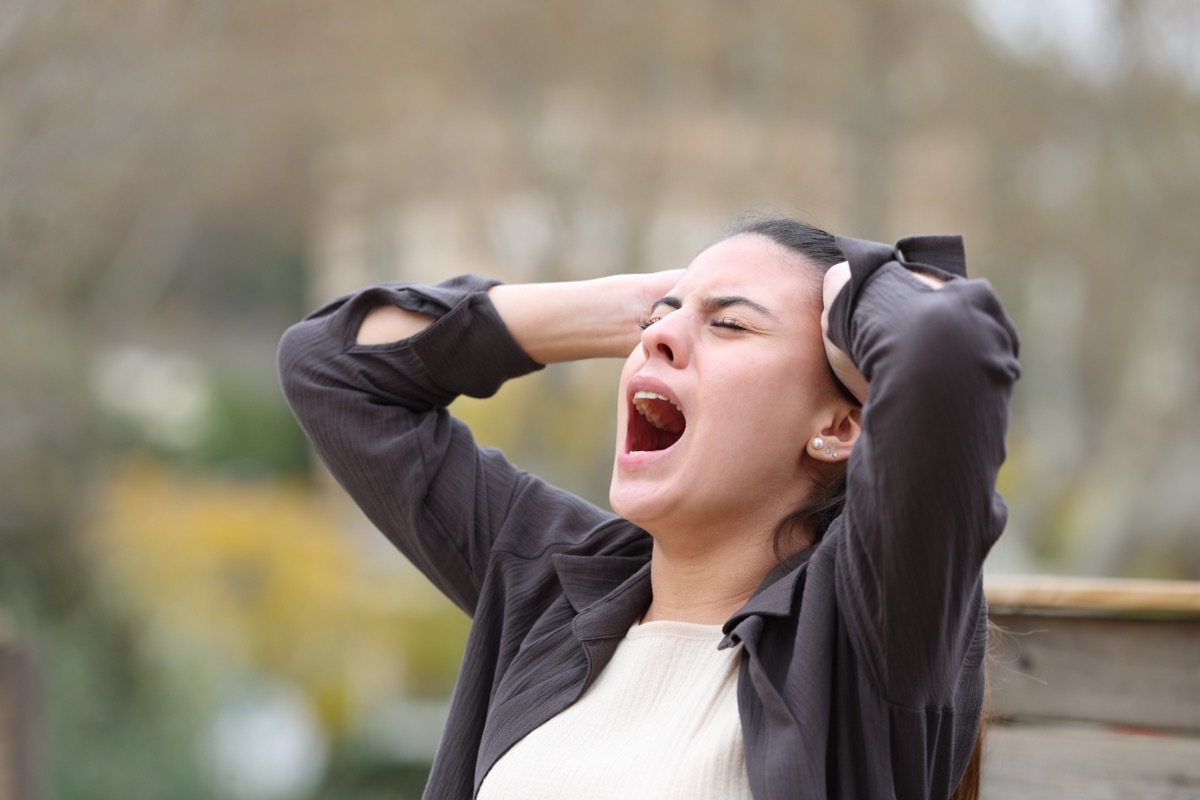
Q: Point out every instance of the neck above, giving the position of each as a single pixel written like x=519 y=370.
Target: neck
x=705 y=585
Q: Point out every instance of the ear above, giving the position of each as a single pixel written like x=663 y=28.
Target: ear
x=835 y=440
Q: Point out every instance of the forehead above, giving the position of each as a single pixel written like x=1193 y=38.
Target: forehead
x=753 y=266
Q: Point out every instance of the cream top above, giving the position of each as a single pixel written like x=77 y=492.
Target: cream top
x=661 y=721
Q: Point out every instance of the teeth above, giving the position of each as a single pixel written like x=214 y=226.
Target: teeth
x=642 y=401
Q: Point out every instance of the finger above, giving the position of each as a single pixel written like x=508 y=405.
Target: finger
x=836 y=277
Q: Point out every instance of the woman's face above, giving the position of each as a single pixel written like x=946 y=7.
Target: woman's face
x=722 y=395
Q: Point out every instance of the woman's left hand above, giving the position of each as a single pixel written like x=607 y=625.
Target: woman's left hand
x=836 y=278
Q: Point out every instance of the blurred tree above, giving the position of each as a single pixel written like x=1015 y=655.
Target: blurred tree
x=261 y=577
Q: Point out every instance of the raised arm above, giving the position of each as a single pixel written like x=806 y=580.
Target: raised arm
x=938 y=357
x=369 y=375
x=552 y=322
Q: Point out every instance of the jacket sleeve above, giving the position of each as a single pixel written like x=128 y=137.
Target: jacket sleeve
x=921 y=511
x=376 y=417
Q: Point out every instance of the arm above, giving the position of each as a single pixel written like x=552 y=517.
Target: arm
x=551 y=322
x=369 y=375
x=938 y=356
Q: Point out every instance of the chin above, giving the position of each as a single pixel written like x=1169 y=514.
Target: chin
x=619 y=500
x=620 y=504
x=642 y=506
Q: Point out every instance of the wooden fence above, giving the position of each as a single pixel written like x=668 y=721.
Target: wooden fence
x=1094 y=690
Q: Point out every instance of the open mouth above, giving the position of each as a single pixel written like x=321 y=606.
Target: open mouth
x=657 y=425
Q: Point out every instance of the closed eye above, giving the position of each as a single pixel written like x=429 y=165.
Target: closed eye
x=724 y=322
x=646 y=322
x=729 y=324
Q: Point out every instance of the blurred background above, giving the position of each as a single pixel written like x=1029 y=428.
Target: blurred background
x=200 y=611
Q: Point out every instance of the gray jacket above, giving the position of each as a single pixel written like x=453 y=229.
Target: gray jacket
x=862 y=673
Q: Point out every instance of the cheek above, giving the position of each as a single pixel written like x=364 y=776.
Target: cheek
x=780 y=399
x=632 y=364
x=635 y=359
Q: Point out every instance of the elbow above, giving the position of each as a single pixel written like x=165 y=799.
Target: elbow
x=287 y=356
x=295 y=361
x=969 y=335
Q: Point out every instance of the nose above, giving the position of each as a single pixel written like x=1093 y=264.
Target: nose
x=667 y=339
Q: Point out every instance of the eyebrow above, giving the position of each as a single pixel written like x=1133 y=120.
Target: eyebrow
x=718 y=303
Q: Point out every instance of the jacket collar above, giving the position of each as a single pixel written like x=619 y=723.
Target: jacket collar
x=776 y=596
x=608 y=592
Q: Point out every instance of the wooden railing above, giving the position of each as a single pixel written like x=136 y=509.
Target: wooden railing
x=1094 y=689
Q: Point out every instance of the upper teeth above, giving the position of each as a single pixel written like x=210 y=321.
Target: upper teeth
x=641 y=401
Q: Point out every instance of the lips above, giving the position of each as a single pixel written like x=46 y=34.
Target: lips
x=655 y=422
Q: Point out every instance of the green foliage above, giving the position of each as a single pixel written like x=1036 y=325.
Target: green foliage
x=251 y=434
x=262 y=576
x=357 y=772
x=118 y=726
x=432 y=644
x=247 y=433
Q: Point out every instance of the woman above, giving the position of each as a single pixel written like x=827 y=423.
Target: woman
x=805 y=617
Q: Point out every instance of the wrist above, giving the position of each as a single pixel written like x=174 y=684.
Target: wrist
x=569 y=320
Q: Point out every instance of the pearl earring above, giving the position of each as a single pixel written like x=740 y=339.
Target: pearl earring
x=818 y=443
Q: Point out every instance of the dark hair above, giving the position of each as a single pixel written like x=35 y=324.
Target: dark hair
x=816 y=246
x=819 y=251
